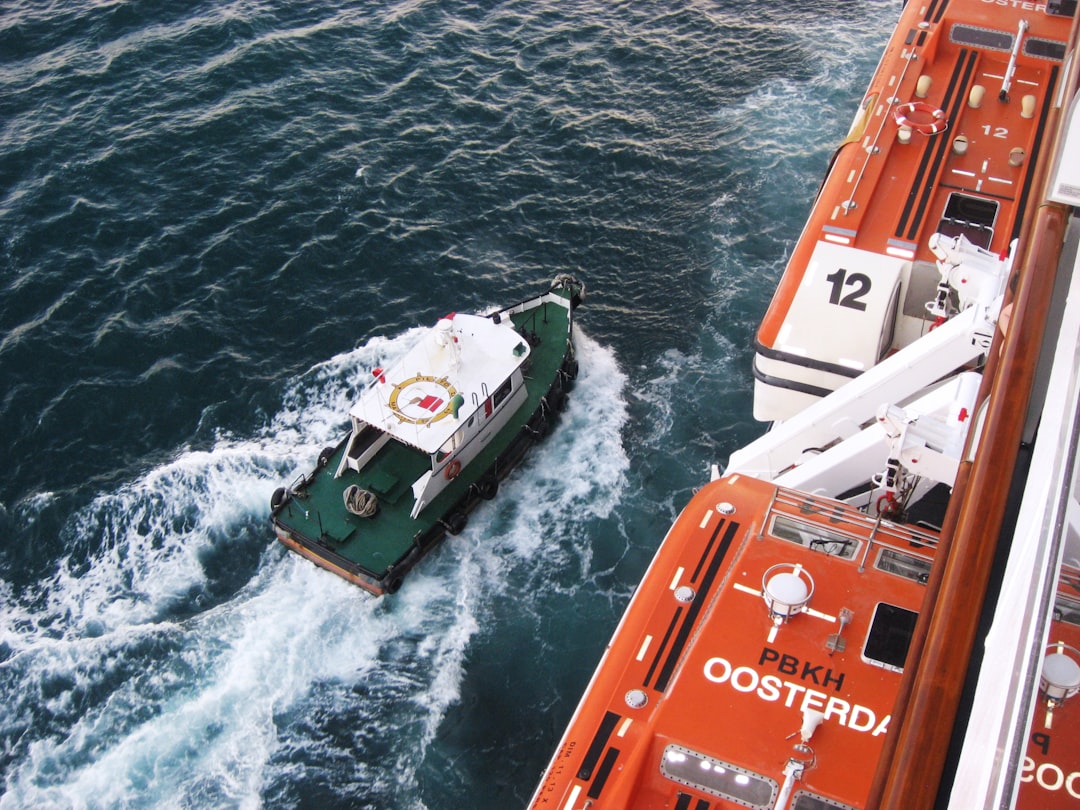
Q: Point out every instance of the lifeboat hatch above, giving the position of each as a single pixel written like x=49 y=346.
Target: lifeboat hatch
x=890 y=636
x=971 y=217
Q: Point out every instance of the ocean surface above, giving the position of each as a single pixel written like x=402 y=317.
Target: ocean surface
x=216 y=217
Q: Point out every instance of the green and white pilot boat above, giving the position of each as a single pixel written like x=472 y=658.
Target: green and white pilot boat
x=431 y=437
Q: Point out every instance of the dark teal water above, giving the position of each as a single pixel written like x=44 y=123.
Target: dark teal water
x=215 y=217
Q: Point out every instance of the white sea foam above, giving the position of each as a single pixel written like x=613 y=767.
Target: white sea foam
x=160 y=702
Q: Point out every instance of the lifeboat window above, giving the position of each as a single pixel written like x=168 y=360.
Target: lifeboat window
x=972 y=217
x=916 y=569
x=1045 y=49
x=814 y=537
x=808 y=801
x=1061 y=8
x=722 y=779
x=986 y=38
x=889 y=637
x=1066 y=610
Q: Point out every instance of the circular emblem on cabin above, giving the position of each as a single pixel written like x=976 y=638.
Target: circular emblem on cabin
x=422 y=399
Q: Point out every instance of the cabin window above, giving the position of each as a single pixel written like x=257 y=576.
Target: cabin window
x=814 y=537
x=985 y=38
x=808 y=801
x=972 y=217
x=503 y=392
x=710 y=775
x=890 y=636
x=917 y=569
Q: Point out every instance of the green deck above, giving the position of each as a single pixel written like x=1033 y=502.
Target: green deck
x=317 y=511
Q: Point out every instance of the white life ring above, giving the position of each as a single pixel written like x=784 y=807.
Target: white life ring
x=921 y=117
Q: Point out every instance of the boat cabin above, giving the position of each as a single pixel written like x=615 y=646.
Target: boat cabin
x=441 y=403
x=431 y=436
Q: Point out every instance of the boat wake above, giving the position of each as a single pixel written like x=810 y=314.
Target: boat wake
x=178 y=656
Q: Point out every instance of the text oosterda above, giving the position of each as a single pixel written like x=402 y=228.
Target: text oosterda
x=796 y=688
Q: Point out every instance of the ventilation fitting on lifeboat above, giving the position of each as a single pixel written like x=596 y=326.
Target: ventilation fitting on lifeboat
x=803 y=759
x=1060 y=678
x=786 y=589
x=684 y=593
x=836 y=641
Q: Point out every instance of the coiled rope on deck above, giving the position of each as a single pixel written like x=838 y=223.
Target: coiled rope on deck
x=360 y=502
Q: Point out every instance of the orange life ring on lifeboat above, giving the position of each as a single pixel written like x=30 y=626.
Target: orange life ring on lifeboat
x=921 y=117
x=452 y=470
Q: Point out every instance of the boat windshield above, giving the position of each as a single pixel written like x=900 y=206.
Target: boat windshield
x=917 y=569
x=814 y=537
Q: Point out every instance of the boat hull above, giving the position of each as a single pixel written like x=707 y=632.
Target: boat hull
x=375 y=553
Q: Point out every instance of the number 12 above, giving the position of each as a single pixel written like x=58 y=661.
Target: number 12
x=860 y=284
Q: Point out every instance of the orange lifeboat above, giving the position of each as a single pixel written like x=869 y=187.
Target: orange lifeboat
x=757 y=663
x=946 y=141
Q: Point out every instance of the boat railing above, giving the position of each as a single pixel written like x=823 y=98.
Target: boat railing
x=874 y=147
x=549 y=297
x=843 y=519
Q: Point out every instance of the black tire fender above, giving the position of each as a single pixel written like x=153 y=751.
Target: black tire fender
x=487 y=487
x=278 y=498
x=455 y=522
x=538 y=425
